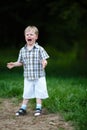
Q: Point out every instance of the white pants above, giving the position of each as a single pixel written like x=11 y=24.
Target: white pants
x=35 y=88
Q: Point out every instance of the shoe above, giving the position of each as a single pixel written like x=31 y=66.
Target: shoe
x=20 y=112
x=37 y=112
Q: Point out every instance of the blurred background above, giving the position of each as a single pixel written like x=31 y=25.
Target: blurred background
x=62 y=25
x=62 y=28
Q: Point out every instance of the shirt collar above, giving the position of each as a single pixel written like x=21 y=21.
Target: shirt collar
x=36 y=45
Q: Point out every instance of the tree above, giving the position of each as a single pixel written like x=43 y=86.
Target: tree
x=61 y=23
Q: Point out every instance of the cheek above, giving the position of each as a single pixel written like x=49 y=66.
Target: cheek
x=26 y=37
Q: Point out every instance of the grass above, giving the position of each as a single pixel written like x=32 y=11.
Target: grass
x=66 y=95
x=67 y=87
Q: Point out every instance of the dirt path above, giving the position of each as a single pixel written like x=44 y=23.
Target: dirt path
x=8 y=120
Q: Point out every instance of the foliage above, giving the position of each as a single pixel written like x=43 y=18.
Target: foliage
x=61 y=23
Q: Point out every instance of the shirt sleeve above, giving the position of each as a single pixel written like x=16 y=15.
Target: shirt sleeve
x=44 y=54
x=20 y=57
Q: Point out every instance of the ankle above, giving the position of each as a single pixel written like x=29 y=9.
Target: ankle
x=24 y=106
x=38 y=106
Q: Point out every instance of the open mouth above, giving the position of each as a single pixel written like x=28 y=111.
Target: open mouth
x=29 y=39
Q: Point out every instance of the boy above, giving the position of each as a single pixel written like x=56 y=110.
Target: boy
x=33 y=58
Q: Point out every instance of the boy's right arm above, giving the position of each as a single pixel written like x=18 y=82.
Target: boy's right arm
x=10 y=65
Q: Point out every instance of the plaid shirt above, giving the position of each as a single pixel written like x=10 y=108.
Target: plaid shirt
x=32 y=61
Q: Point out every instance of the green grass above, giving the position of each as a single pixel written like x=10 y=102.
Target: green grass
x=69 y=97
x=66 y=95
x=67 y=87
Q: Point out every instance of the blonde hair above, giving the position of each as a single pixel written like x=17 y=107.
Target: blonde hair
x=28 y=28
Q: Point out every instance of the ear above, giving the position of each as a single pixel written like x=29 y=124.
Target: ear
x=36 y=37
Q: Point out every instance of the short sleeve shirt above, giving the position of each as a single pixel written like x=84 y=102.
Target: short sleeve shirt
x=32 y=61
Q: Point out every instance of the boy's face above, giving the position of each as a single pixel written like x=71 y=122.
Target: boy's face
x=30 y=37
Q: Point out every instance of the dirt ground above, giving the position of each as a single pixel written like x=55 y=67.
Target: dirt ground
x=8 y=120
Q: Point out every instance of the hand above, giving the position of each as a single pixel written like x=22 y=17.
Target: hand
x=10 y=65
x=44 y=63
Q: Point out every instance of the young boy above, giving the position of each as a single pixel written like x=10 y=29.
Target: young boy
x=33 y=58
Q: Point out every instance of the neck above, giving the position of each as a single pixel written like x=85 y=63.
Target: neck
x=30 y=46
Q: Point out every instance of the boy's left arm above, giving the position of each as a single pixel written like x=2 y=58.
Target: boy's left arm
x=44 y=63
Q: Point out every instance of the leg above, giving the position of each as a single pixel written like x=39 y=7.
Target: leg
x=22 y=110
x=38 y=107
x=25 y=101
x=24 y=104
x=40 y=93
x=27 y=94
x=38 y=103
